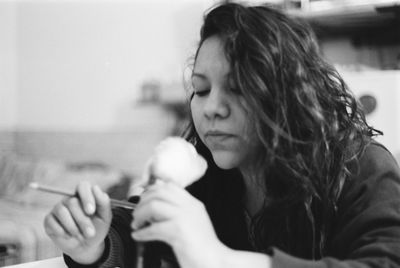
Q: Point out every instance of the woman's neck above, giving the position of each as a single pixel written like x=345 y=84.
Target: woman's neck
x=255 y=192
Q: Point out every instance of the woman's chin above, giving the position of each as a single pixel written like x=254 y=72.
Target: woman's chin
x=225 y=160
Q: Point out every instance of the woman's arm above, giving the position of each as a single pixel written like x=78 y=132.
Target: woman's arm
x=238 y=259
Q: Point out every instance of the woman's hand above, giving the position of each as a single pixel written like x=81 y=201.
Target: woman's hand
x=78 y=225
x=168 y=213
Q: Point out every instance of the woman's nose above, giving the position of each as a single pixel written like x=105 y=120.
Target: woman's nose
x=217 y=105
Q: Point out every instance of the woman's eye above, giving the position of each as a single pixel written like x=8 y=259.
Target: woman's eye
x=201 y=93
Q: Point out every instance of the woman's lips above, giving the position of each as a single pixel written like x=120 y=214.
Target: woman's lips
x=218 y=140
x=218 y=133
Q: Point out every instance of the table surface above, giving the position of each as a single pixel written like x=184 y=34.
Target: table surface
x=48 y=263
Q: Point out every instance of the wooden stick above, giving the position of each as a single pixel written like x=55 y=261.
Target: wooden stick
x=53 y=190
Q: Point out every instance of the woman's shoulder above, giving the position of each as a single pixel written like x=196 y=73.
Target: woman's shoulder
x=377 y=156
x=375 y=175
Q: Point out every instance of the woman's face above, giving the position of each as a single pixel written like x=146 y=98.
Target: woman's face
x=218 y=110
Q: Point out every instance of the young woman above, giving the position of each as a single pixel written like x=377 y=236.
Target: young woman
x=294 y=179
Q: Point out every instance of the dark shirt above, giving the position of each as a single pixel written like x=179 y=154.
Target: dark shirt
x=365 y=231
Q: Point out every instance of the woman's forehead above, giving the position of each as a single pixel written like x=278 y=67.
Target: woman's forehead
x=211 y=58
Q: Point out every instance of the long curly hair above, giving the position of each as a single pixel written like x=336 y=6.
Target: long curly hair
x=308 y=123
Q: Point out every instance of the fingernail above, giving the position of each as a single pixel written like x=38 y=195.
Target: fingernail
x=97 y=188
x=90 y=208
x=90 y=231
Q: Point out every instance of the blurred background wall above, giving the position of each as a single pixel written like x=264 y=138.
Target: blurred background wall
x=74 y=74
x=8 y=74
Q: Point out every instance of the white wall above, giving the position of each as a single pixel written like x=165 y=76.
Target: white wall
x=70 y=73
x=8 y=68
x=385 y=87
x=75 y=65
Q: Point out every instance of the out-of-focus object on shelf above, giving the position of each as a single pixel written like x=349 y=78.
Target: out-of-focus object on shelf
x=347 y=15
x=8 y=254
x=368 y=103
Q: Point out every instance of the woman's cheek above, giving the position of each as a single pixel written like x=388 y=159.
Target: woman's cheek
x=196 y=116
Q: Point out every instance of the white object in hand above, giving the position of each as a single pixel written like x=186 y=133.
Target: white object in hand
x=175 y=160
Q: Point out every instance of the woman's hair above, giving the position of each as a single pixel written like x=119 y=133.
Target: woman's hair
x=308 y=124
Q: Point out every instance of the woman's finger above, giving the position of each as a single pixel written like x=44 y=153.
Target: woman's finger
x=103 y=205
x=152 y=212
x=84 y=191
x=52 y=227
x=167 y=192
x=155 y=232
x=83 y=222
x=64 y=217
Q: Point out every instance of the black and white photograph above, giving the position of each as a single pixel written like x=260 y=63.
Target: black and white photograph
x=200 y=133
